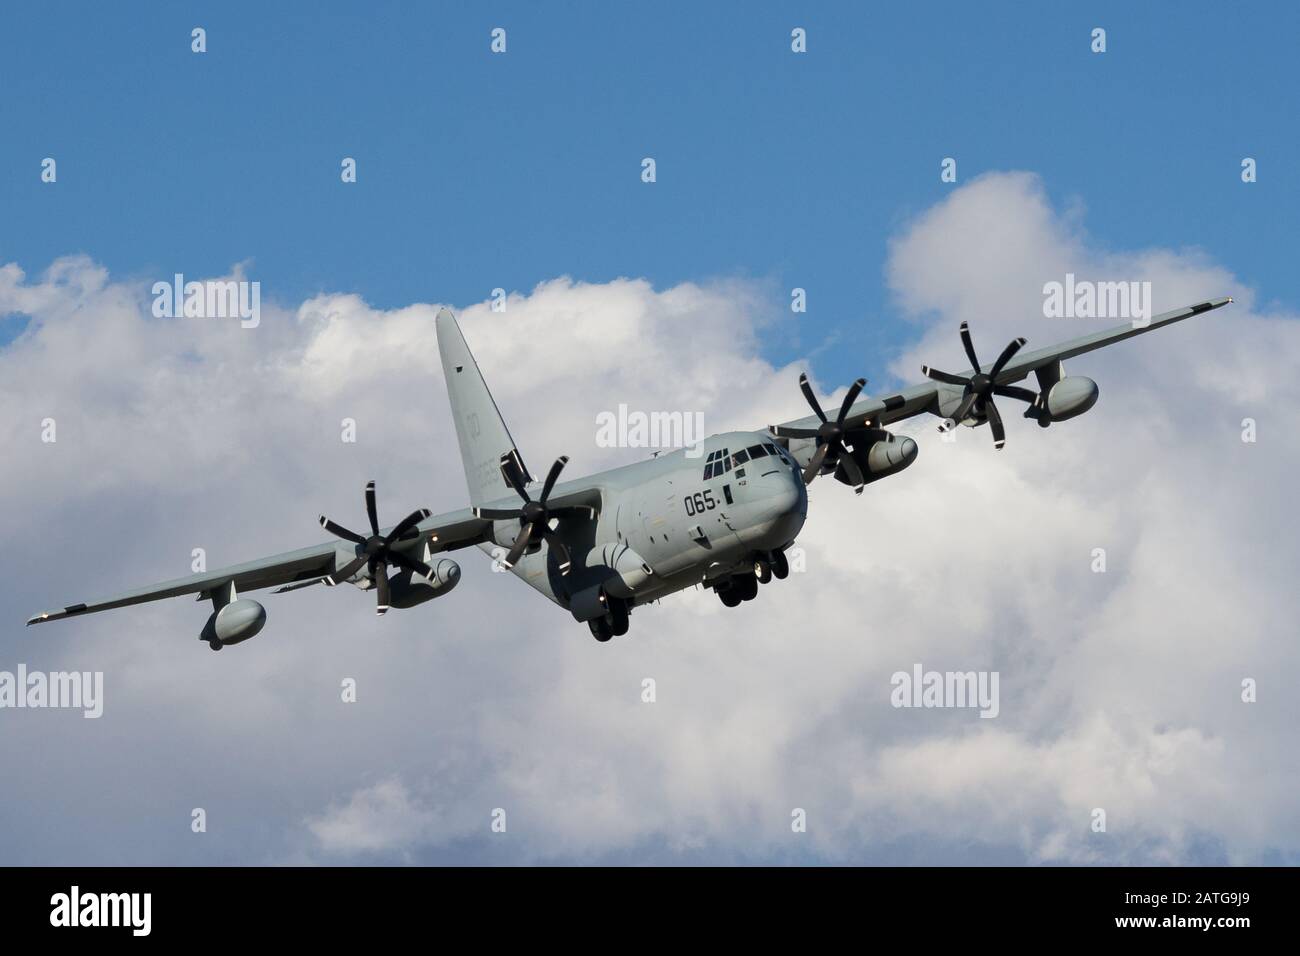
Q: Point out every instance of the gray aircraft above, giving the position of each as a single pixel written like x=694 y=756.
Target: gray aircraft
x=721 y=516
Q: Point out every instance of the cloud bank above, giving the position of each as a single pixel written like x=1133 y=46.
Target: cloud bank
x=1120 y=690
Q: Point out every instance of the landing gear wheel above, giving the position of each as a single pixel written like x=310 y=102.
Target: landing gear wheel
x=780 y=566
x=600 y=629
x=617 y=617
x=729 y=596
x=215 y=645
x=762 y=572
x=747 y=585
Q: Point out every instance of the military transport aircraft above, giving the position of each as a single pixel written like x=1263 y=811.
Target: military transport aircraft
x=601 y=546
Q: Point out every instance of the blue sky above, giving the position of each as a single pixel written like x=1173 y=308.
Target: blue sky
x=478 y=171
x=774 y=169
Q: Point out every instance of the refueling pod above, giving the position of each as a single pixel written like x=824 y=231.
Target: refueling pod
x=234 y=622
x=1071 y=396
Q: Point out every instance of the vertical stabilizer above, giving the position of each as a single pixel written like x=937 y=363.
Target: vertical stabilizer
x=482 y=434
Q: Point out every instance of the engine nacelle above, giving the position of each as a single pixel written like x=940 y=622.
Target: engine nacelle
x=886 y=455
x=407 y=589
x=1071 y=396
x=237 y=621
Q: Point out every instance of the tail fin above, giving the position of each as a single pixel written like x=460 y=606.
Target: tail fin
x=483 y=436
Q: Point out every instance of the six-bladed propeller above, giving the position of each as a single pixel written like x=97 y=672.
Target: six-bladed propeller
x=534 y=517
x=377 y=550
x=829 y=435
x=980 y=388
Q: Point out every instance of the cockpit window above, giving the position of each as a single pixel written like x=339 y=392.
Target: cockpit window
x=717 y=464
x=741 y=457
x=757 y=451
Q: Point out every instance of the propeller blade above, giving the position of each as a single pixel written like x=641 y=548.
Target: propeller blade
x=371 y=508
x=815 y=465
x=781 y=432
x=379 y=572
x=1015 y=391
x=1012 y=348
x=808 y=394
x=410 y=564
x=849 y=398
x=510 y=471
x=552 y=475
x=405 y=525
x=854 y=472
x=969 y=346
x=340 y=531
x=560 y=548
x=517 y=549
x=345 y=572
x=495 y=514
x=995 y=424
x=964 y=408
x=946 y=377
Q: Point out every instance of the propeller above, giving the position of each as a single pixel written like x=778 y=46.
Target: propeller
x=377 y=550
x=981 y=387
x=535 y=515
x=829 y=435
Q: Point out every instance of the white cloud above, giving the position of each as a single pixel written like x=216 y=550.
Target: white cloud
x=381 y=817
x=1119 y=690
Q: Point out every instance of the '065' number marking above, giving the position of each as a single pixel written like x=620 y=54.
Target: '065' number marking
x=699 y=502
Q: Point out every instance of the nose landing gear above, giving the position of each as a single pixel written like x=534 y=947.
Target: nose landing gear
x=743 y=586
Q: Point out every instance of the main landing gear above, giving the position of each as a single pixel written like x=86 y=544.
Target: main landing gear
x=743 y=586
x=613 y=624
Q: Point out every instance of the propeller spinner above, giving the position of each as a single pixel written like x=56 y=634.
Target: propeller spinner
x=534 y=517
x=829 y=435
x=377 y=550
x=980 y=388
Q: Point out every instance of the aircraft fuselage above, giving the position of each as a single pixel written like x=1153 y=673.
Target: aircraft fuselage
x=664 y=514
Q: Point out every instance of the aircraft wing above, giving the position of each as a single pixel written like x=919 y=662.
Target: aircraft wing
x=925 y=397
x=445 y=532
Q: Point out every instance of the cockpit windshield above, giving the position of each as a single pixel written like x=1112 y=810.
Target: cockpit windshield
x=717 y=464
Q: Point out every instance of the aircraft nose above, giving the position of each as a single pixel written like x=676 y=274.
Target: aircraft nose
x=787 y=493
